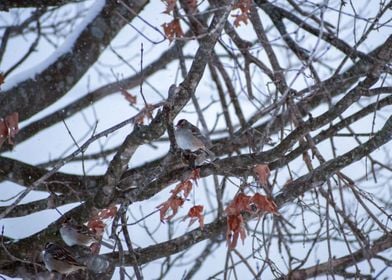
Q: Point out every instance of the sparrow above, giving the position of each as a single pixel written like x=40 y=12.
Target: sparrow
x=59 y=259
x=189 y=137
x=77 y=234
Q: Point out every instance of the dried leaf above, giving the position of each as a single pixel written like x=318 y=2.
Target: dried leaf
x=235 y=229
x=12 y=121
x=196 y=213
x=97 y=226
x=96 y=223
x=262 y=172
x=185 y=186
x=195 y=175
x=244 y=6
x=170 y=5
x=95 y=248
x=107 y=213
x=2 y=78
x=173 y=29
x=263 y=203
x=9 y=128
x=240 y=18
x=240 y=203
x=3 y=132
x=129 y=97
x=172 y=203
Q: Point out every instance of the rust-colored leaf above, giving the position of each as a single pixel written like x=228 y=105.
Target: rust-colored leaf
x=240 y=203
x=95 y=248
x=195 y=175
x=170 y=5
x=9 y=128
x=129 y=97
x=12 y=121
x=263 y=203
x=262 y=172
x=2 y=78
x=107 y=213
x=235 y=229
x=244 y=6
x=3 y=132
x=240 y=18
x=97 y=226
x=185 y=186
x=196 y=213
x=173 y=29
x=172 y=203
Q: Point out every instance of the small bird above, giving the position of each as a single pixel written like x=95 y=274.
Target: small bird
x=59 y=259
x=189 y=137
x=77 y=234
x=81 y=235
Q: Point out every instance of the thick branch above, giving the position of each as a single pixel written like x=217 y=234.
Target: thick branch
x=61 y=75
x=5 y=5
x=341 y=264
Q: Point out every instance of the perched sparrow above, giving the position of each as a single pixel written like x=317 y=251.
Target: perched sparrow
x=77 y=234
x=57 y=258
x=189 y=137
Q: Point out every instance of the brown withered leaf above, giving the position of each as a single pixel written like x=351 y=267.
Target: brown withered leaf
x=3 y=132
x=262 y=172
x=238 y=204
x=9 y=127
x=170 y=5
x=173 y=29
x=2 y=78
x=264 y=204
x=244 y=6
x=185 y=186
x=129 y=97
x=235 y=229
x=97 y=226
x=240 y=18
x=173 y=203
x=106 y=213
x=12 y=122
x=196 y=213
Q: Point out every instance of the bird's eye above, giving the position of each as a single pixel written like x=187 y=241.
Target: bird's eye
x=181 y=123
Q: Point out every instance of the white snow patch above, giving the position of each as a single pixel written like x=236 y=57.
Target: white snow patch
x=94 y=10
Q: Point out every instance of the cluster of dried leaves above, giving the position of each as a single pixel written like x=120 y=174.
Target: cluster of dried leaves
x=255 y=204
x=243 y=16
x=177 y=199
x=98 y=223
x=9 y=128
x=173 y=29
x=242 y=203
